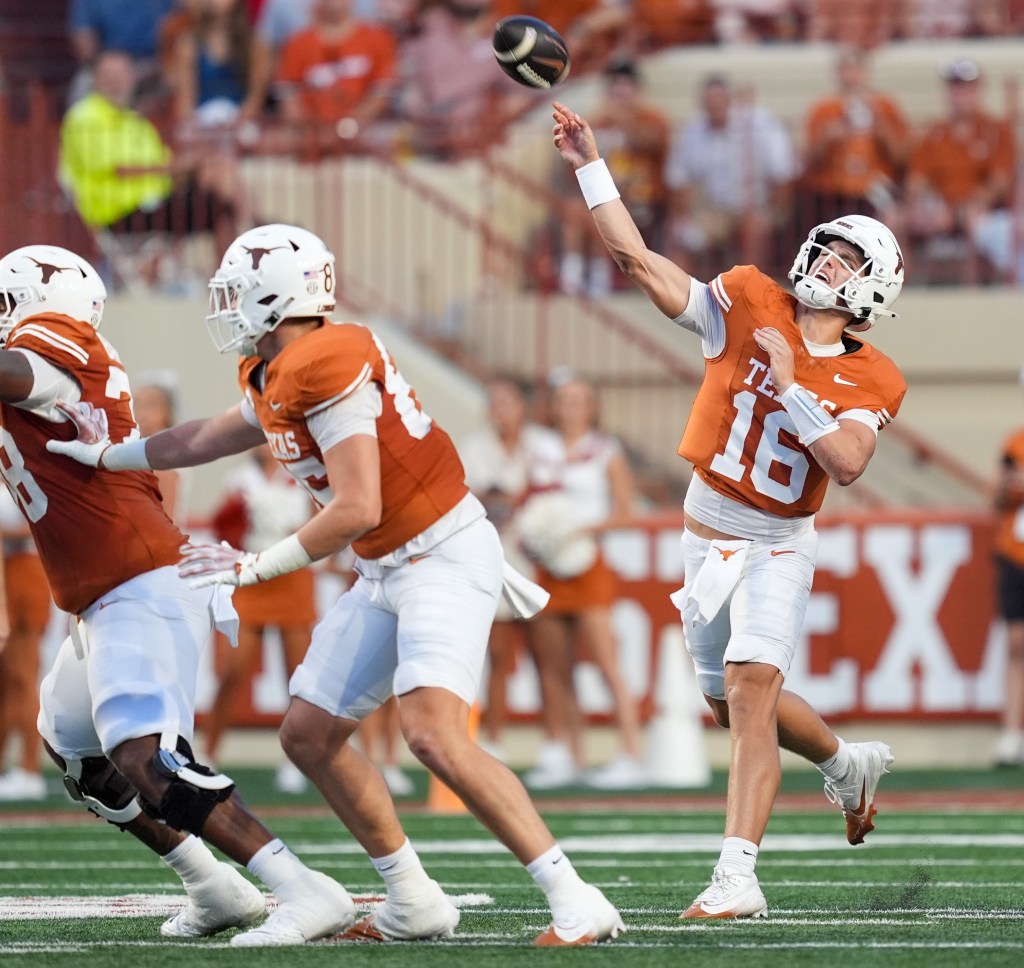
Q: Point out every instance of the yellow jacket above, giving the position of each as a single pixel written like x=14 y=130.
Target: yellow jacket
x=97 y=137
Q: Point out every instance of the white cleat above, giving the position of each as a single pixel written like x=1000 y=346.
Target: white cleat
x=729 y=896
x=223 y=900
x=592 y=920
x=426 y=918
x=856 y=794
x=310 y=906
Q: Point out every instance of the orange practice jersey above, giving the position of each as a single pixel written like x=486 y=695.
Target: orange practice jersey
x=739 y=437
x=421 y=474
x=1008 y=544
x=94 y=529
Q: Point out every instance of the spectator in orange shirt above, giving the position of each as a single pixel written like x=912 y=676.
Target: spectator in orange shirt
x=338 y=74
x=637 y=137
x=856 y=146
x=961 y=172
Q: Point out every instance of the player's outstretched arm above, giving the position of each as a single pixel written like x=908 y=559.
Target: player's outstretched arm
x=353 y=474
x=188 y=444
x=202 y=441
x=665 y=283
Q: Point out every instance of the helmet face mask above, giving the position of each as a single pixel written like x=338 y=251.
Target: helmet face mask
x=871 y=288
x=37 y=279
x=268 y=274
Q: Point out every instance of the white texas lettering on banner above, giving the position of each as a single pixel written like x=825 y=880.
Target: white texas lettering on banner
x=915 y=595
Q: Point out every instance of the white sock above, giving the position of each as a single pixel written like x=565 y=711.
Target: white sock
x=402 y=871
x=837 y=767
x=275 y=864
x=738 y=856
x=554 y=874
x=191 y=860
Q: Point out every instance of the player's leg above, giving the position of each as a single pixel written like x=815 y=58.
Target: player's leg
x=1009 y=747
x=218 y=896
x=743 y=694
x=851 y=770
x=143 y=695
x=346 y=675
x=438 y=675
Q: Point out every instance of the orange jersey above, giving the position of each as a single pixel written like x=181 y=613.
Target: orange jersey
x=958 y=159
x=739 y=437
x=1009 y=542
x=421 y=475
x=94 y=529
x=335 y=77
x=857 y=161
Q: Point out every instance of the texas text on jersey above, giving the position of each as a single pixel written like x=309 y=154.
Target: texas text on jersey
x=739 y=437
x=94 y=529
x=421 y=475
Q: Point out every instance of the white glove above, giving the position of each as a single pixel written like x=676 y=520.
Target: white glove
x=217 y=564
x=220 y=564
x=93 y=435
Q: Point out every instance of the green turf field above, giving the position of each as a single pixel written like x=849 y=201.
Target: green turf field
x=935 y=884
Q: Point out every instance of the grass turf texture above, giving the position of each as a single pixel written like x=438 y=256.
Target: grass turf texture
x=932 y=886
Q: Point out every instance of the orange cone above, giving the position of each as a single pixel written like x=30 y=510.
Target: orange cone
x=440 y=797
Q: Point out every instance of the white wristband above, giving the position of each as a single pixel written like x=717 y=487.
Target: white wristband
x=130 y=455
x=812 y=420
x=279 y=559
x=597 y=184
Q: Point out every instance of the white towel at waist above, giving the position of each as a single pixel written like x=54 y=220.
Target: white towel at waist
x=524 y=597
x=701 y=600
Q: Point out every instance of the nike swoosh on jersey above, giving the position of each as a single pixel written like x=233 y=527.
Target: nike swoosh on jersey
x=775 y=554
x=276 y=406
x=846 y=383
x=415 y=559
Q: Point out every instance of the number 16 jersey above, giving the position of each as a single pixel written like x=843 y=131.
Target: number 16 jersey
x=739 y=437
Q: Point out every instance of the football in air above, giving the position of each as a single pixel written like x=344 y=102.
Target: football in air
x=530 y=51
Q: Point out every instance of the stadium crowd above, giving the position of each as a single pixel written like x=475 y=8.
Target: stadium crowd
x=184 y=88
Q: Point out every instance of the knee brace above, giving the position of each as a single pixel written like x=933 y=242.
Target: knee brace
x=95 y=782
x=194 y=789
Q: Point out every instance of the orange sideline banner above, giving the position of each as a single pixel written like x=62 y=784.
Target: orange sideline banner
x=901 y=622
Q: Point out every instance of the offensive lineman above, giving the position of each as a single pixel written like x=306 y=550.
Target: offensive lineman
x=117 y=708
x=790 y=399
x=341 y=419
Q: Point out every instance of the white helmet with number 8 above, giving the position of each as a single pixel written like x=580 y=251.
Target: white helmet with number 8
x=39 y=279
x=268 y=274
x=872 y=287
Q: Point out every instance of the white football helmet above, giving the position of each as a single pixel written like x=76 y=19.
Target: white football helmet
x=268 y=274
x=48 y=279
x=871 y=289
